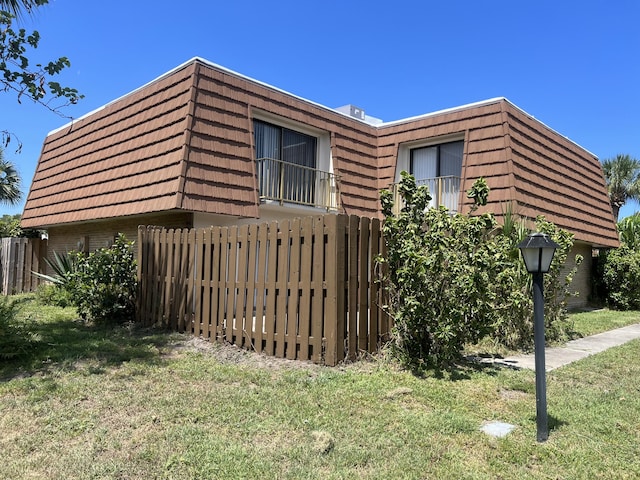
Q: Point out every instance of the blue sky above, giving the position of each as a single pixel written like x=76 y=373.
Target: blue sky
x=574 y=65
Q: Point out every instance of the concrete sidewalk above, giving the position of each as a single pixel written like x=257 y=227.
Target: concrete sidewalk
x=574 y=350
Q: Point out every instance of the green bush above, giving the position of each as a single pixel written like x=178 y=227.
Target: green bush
x=513 y=327
x=617 y=278
x=440 y=269
x=103 y=286
x=621 y=278
x=453 y=279
x=629 y=231
x=15 y=338
x=53 y=294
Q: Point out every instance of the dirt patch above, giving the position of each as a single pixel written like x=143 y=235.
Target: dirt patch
x=512 y=394
x=233 y=355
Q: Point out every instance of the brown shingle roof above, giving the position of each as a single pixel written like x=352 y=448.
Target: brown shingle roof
x=185 y=142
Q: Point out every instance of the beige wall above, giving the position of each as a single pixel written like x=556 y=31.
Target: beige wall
x=582 y=279
x=93 y=235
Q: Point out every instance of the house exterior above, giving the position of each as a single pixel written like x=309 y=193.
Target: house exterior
x=202 y=145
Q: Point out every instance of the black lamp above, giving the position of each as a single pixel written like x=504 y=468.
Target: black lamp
x=537 y=251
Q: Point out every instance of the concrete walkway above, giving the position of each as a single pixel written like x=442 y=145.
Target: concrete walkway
x=574 y=350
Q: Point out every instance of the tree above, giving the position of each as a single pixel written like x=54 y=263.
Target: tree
x=16 y=7
x=10 y=192
x=629 y=231
x=622 y=174
x=18 y=75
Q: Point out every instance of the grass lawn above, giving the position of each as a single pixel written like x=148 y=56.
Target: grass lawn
x=598 y=321
x=123 y=403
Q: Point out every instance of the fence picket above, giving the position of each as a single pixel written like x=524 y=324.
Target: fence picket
x=293 y=288
x=363 y=284
x=317 y=320
x=251 y=293
x=19 y=258
x=242 y=315
x=352 y=286
x=374 y=303
x=270 y=316
x=305 y=287
x=281 y=287
x=261 y=287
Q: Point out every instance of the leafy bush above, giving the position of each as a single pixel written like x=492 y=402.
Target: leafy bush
x=440 y=269
x=629 y=231
x=453 y=279
x=52 y=294
x=621 y=277
x=103 y=286
x=617 y=277
x=59 y=291
x=513 y=326
x=15 y=338
x=10 y=227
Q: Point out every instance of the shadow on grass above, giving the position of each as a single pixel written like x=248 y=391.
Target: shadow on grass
x=59 y=341
x=462 y=370
x=553 y=423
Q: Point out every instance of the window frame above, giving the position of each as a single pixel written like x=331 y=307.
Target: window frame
x=324 y=160
x=404 y=151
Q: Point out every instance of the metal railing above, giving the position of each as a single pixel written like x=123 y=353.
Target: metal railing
x=290 y=183
x=444 y=190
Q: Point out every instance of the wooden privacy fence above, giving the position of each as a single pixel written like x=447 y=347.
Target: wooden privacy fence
x=19 y=257
x=298 y=289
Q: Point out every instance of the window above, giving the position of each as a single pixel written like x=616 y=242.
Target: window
x=439 y=167
x=434 y=161
x=279 y=143
x=290 y=166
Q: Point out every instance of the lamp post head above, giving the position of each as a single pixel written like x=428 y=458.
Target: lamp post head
x=537 y=251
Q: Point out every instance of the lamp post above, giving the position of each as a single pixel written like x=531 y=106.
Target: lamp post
x=537 y=251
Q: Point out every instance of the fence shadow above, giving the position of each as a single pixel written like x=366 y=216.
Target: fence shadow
x=63 y=342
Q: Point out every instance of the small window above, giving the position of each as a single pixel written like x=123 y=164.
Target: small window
x=279 y=143
x=288 y=167
x=444 y=160
x=439 y=167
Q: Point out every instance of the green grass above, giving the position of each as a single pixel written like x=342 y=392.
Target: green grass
x=95 y=403
x=598 y=321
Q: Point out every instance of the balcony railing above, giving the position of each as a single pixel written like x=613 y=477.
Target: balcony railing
x=444 y=190
x=296 y=184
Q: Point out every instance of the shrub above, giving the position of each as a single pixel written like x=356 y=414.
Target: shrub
x=621 y=278
x=514 y=320
x=103 y=286
x=452 y=279
x=52 y=294
x=440 y=269
x=617 y=278
x=629 y=231
x=15 y=338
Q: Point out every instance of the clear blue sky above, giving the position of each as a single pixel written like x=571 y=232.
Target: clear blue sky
x=573 y=64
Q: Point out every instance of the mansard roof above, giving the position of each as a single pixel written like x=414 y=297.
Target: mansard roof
x=184 y=142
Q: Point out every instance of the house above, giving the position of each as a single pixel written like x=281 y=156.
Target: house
x=202 y=145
